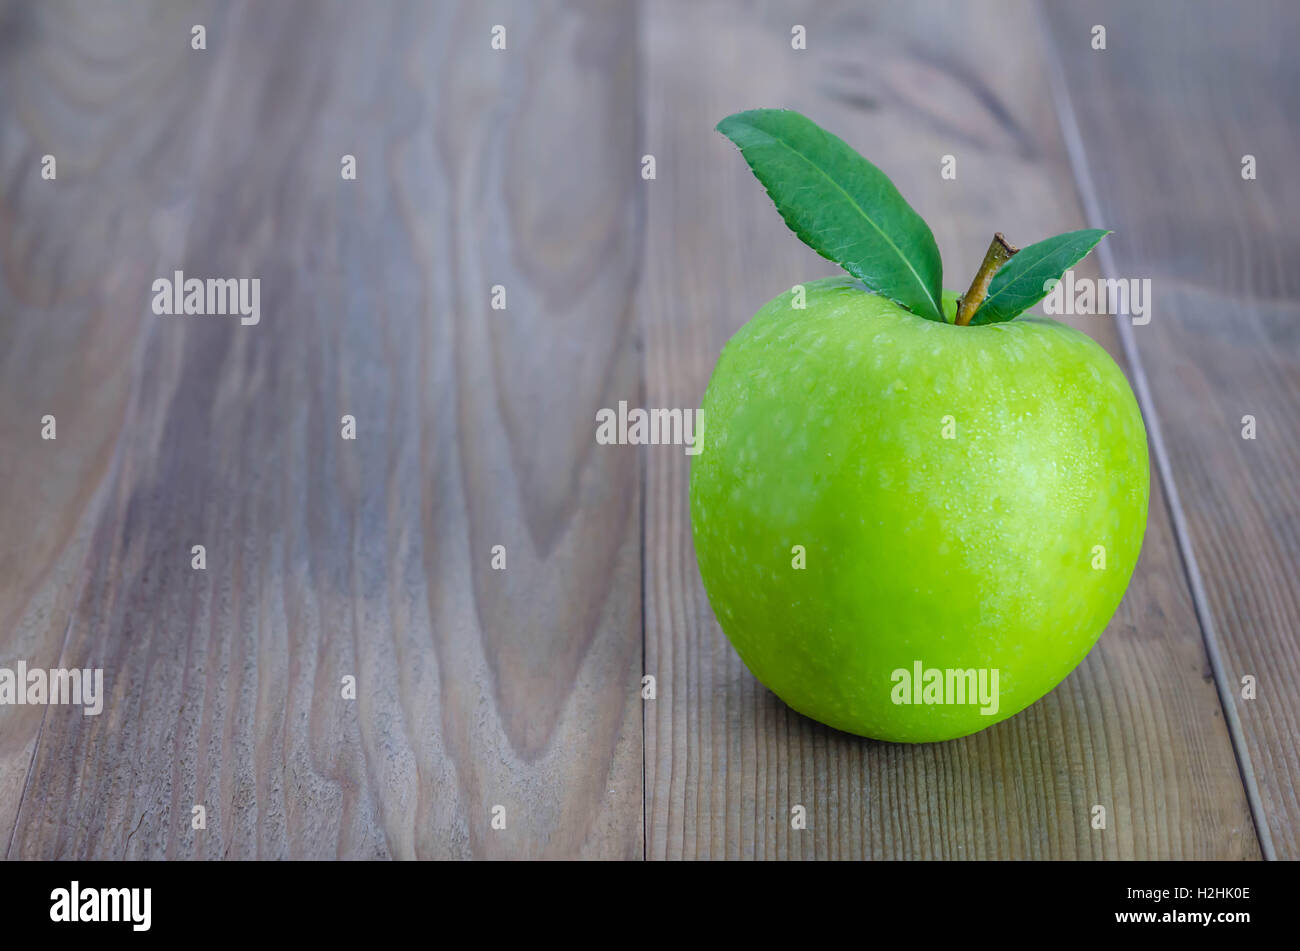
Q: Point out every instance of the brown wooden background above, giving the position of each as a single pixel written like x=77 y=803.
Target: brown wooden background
x=476 y=427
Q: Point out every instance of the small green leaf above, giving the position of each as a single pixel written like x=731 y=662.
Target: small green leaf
x=842 y=206
x=1018 y=285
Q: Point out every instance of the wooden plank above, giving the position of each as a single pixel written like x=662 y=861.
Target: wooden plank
x=70 y=314
x=1138 y=727
x=326 y=558
x=1165 y=116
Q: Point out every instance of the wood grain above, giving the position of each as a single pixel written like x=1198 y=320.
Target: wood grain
x=1166 y=114
x=326 y=557
x=1138 y=727
x=71 y=317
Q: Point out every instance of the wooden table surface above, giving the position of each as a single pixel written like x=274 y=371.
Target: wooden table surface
x=477 y=688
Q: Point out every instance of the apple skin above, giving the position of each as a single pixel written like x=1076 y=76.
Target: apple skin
x=824 y=428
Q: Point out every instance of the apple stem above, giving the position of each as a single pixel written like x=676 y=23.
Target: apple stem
x=998 y=254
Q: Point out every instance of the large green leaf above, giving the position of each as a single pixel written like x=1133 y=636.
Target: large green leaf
x=1019 y=284
x=842 y=206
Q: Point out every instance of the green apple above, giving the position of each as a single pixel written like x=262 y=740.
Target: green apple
x=882 y=493
x=915 y=513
